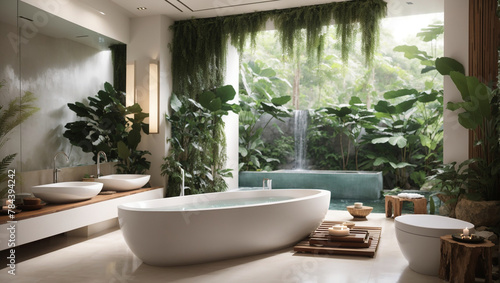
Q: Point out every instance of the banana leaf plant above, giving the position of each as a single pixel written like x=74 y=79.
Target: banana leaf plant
x=109 y=126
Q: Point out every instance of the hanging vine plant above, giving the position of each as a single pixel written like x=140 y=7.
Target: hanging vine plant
x=200 y=45
x=199 y=52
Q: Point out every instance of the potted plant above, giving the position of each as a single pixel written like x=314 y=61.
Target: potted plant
x=111 y=127
x=479 y=194
x=448 y=183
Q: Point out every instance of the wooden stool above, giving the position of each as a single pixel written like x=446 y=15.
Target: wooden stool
x=419 y=205
x=461 y=262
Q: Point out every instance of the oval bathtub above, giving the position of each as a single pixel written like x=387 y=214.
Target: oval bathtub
x=214 y=226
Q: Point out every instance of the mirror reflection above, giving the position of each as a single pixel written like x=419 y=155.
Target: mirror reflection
x=59 y=62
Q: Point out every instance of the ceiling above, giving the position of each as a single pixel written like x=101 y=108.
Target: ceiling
x=182 y=9
x=56 y=27
x=186 y=9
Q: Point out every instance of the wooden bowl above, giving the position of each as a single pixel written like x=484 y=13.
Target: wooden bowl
x=359 y=212
x=349 y=224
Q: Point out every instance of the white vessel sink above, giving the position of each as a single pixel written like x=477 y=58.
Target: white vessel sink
x=65 y=192
x=123 y=182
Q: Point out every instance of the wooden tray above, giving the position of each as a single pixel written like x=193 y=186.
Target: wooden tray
x=323 y=245
x=324 y=242
x=354 y=236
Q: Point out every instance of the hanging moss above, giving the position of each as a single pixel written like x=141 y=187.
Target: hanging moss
x=241 y=26
x=198 y=56
x=200 y=45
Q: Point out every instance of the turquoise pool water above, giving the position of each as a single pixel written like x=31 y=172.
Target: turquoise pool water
x=377 y=204
x=342 y=184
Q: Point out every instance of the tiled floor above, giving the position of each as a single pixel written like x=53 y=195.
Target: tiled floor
x=106 y=258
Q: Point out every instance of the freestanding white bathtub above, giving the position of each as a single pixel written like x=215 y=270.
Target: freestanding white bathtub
x=214 y=226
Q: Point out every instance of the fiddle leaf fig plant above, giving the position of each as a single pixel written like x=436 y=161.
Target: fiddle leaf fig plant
x=111 y=127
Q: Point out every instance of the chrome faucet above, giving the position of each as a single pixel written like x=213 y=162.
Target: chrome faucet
x=183 y=188
x=54 y=175
x=99 y=162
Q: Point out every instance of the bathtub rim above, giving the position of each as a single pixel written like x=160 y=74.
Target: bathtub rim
x=172 y=201
x=315 y=171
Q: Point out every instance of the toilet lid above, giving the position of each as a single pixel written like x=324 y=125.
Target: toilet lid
x=430 y=225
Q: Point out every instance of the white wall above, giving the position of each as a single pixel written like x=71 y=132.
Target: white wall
x=456 y=45
x=149 y=39
x=57 y=71
x=9 y=78
x=231 y=129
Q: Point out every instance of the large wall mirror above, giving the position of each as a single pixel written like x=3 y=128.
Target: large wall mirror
x=59 y=62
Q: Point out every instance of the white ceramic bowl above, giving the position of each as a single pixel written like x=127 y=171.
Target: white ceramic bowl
x=65 y=192
x=123 y=182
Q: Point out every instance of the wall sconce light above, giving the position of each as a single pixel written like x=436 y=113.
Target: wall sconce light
x=130 y=84
x=154 y=93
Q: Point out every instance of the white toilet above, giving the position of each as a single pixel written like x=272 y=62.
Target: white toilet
x=418 y=238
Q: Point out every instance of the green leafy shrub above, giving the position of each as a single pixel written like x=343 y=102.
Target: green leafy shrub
x=110 y=127
x=16 y=112
x=259 y=105
x=196 y=129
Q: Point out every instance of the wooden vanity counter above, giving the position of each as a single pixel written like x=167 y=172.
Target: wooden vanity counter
x=52 y=208
x=53 y=219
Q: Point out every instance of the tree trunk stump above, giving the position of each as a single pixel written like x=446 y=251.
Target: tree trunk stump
x=461 y=262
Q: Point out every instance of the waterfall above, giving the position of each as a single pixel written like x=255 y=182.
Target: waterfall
x=300 y=129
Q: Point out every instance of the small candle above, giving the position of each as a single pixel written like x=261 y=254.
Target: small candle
x=10 y=204
x=358 y=205
x=466 y=232
x=338 y=230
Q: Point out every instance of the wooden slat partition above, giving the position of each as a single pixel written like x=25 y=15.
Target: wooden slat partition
x=484 y=39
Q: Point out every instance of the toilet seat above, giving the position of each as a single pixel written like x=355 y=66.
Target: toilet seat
x=430 y=225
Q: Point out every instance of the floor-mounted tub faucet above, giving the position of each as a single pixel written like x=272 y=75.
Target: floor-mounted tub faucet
x=99 y=161
x=54 y=173
x=183 y=188
x=267 y=184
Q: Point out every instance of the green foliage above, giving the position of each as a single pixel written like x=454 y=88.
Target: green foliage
x=448 y=179
x=197 y=128
x=199 y=51
x=480 y=113
x=11 y=116
x=409 y=136
x=401 y=136
x=349 y=17
x=348 y=121
x=259 y=103
x=111 y=127
x=278 y=151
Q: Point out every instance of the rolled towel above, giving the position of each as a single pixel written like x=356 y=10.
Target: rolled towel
x=410 y=195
